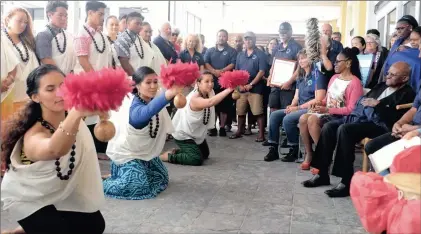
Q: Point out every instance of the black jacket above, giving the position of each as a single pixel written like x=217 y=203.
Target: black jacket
x=385 y=113
x=374 y=78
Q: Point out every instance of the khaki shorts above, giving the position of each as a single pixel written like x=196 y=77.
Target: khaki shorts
x=254 y=100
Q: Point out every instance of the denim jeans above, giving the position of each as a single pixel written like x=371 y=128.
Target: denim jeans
x=289 y=122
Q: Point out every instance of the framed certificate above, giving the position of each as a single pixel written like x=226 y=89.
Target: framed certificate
x=282 y=71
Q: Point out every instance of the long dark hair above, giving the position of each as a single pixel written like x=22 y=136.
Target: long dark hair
x=351 y=54
x=15 y=127
x=139 y=75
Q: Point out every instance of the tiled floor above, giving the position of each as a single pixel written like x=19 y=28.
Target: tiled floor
x=234 y=192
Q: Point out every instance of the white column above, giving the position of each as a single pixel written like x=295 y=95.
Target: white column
x=73 y=17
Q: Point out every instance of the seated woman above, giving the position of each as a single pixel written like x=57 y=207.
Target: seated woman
x=311 y=86
x=343 y=92
x=53 y=181
x=142 y=125
x=192 y=123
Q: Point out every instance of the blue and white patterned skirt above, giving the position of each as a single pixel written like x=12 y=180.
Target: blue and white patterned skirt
x=136 y=180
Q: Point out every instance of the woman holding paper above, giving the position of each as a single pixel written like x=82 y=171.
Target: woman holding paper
x=343 y=91
x=311 y=87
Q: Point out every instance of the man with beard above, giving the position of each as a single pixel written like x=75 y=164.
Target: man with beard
x=219 y=59
x=238 y=42
x=163 y=43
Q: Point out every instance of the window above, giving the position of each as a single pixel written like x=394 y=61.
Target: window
x=36 y=13
x=380 y=27
x=391 y=24
x=409 y=8
x=194 y=23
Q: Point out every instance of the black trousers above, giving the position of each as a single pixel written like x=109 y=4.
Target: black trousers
x=49 y=220
x=379 y=142
x=344 y=136
x=101 y=147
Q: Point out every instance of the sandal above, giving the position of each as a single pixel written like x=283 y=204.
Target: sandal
x=305 y=166
x=260 y=140
x=314 y=171
x=235 y=136
x=248 y=133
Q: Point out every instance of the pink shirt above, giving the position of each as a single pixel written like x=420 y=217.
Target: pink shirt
x=82 y=43
x=353 y=92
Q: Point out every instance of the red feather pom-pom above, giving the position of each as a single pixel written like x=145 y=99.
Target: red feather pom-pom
x=180 y=74
x=232 y=79
x=102 y=90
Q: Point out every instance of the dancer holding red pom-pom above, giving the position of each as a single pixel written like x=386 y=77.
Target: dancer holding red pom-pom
x=142 y=125
x=192 y=122
x=53 y=181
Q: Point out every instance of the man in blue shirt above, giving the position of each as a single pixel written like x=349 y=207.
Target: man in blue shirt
x=253 y=61
x=281 y=96
x=165 y=46
x=219 y=59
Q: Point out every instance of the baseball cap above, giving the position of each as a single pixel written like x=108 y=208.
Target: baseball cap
x=250 y=35
x=284 y=27
x=410 y=19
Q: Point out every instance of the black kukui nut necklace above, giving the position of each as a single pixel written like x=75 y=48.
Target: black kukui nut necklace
x=113 y=63
x=17 y=48
x=206 y=111
x=141 y=55
x=48 y=126
x=55 y=37
x=153 y=133
x=93 y=39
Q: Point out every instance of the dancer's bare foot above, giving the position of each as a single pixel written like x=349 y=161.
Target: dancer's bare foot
x=102 y=156
x=18 y=230
x=164 y=156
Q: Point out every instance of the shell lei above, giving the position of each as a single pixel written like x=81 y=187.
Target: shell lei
x=312 y=40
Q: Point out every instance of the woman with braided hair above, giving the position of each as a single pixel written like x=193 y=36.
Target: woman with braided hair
x=193 y=121
x=142 y=124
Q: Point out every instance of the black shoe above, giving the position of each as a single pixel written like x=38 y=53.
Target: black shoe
x=213 y=132
x=272 y=155
x=267 y=143
x=316 y=181
x=284 y=143
x=222 y=132
x=339 y=190
x=292 y=155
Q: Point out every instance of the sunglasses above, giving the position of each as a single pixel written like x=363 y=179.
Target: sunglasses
x=174 y=34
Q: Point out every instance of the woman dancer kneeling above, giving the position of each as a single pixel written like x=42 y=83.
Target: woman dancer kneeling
x=192 y=123
x=142 y=125
x=53 y=182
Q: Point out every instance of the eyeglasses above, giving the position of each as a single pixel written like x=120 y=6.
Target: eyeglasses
x=371 y=42
x=338 y=61
x=389 y=74
x=174 y=34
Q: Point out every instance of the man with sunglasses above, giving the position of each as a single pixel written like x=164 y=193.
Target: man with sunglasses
x=373 y=115
x=281 y=96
